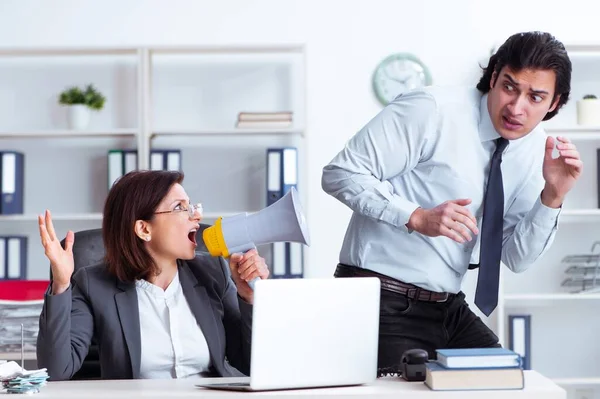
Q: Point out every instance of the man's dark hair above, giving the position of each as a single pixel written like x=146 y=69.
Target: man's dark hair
x=532 y=50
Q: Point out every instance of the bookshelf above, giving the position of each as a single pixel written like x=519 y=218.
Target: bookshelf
x=158 y=97
x=563 y=321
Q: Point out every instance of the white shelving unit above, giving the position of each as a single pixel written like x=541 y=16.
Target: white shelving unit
x=185 y=98
x=564 y=326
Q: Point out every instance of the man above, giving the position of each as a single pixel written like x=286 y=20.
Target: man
x=430 y=199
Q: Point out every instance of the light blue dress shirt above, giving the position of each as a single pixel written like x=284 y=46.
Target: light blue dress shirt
x=426 y=147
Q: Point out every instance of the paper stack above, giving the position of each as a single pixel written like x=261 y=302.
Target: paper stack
x=21 y=303
x=13 y=314
x=18 y=380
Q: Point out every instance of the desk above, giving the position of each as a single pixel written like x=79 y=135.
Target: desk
x=536 y=387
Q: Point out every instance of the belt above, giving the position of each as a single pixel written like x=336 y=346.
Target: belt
x=393 y=285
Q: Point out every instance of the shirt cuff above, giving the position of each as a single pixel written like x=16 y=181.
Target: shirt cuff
x=544 y=216
x=398 y=212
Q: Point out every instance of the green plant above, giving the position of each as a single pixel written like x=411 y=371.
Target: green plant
x=89 y=96
x=590 y=97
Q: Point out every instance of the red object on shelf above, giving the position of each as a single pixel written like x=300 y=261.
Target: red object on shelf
x=23 y=290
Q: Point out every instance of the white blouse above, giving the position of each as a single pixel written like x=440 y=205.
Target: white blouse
x=172 y=343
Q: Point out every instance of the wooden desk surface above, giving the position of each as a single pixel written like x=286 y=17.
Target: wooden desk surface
x=536 y=386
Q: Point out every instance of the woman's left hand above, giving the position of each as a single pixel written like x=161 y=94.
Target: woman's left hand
x=246 y=267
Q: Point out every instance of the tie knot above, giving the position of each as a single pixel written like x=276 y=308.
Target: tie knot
x=501 y=144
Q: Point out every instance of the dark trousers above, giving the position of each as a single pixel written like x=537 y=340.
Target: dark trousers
x=406 y=323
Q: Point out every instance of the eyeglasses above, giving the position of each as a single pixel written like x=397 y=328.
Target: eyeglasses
x=191 y=210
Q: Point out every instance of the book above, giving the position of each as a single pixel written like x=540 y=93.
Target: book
x=478 y=358
x=265 y=116
x=263 y=124
x=439 y=378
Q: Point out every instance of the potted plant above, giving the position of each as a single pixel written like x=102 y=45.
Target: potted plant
x=80 y=103
x=588 y=110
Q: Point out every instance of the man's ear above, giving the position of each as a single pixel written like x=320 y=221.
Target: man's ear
x=554 y=104
x=143 y=229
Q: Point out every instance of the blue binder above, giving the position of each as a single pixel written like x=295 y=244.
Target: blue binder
x=274 y=175
x=165 y=160
x=282 y=175
x=13 y=257
x=12 y=181
x=519 y=337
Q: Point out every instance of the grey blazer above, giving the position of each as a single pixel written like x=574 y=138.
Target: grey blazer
x=99 y=305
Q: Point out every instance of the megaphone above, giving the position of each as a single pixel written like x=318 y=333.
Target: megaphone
x=282 y=221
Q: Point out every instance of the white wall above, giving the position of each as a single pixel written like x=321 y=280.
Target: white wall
x=345 y=40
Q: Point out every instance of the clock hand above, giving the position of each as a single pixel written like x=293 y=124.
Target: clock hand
x=397 y=79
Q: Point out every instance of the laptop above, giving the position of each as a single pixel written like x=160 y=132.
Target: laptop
x=309 y=333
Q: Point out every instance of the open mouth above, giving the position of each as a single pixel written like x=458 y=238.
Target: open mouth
x=511 y=123
x=192 y=236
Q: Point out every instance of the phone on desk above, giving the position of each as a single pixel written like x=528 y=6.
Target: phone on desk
x=413 y=364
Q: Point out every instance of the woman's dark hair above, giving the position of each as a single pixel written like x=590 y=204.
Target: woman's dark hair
x=135 y=196
x=532 y=50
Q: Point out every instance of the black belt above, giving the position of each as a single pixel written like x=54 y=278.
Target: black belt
x=393 y=285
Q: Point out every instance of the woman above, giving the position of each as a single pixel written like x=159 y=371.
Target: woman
x=155 y=308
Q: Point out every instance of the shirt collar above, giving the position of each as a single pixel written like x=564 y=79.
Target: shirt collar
x=487 y=132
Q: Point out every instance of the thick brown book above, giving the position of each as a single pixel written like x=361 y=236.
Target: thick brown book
x=439 y=378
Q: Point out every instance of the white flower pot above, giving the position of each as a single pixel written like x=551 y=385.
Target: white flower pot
x=78 y=116
x=588 y=112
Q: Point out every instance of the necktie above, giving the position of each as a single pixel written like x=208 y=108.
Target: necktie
x=486 y=295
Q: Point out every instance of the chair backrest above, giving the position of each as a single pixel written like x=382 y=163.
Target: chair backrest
x=88 y=249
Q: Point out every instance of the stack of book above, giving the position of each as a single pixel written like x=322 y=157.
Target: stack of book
x=264 y=120
x=475 y=369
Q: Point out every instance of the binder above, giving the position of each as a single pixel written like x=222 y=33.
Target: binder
x=290 y=169
x=165 y=160
x=2 y=258
x=282 y=175
x=519 y=337
x=274 y=175
x=295 y=259
x=120 y=162
x=115 y=166
x=279 y=262
x=173 y=160
x=12 y=176
x=131 y=162
x=156 y=160
x=13 y=257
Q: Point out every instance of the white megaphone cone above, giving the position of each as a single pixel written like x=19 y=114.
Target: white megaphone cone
x=282 y=221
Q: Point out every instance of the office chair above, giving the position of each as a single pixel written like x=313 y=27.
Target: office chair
x=88 y=249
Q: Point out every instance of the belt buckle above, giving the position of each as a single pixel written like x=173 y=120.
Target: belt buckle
x=444 y=299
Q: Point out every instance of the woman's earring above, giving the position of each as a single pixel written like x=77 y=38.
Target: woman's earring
x=148 y=238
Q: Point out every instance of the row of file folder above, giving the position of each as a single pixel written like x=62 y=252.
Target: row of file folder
x=121 y=162
x=12 y=176
x=13 y=257
x=282 y=175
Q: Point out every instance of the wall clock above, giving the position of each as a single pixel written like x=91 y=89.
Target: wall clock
x=399 y=73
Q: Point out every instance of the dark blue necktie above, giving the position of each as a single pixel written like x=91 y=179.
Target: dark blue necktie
x=486 y=295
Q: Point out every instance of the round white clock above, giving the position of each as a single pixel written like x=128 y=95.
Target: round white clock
x=399 y=73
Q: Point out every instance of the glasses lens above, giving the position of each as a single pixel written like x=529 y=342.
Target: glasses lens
x=193 y=208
